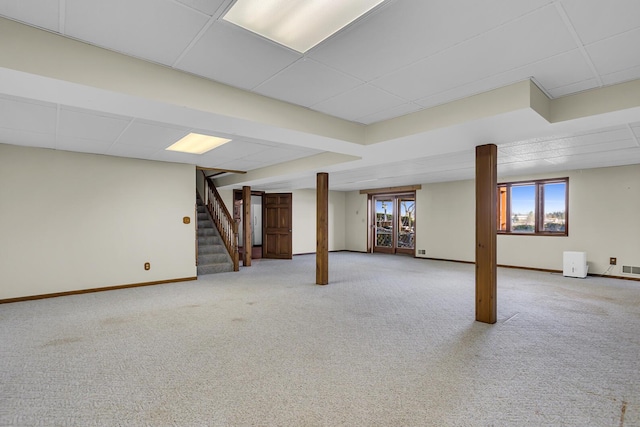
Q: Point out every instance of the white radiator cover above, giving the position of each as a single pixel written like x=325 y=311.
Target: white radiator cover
x=574 y=264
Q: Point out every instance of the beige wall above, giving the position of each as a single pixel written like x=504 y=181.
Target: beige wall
x=72 y=221
x=356 y=221
x=304 y=221
x=604 y=207
x=445 y=220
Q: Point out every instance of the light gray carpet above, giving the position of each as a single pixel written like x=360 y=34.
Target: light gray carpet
x=390 y=342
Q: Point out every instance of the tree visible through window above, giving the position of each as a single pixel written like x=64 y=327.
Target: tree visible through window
x=533 y=207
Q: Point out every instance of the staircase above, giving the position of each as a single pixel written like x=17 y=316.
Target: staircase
x=212 y=254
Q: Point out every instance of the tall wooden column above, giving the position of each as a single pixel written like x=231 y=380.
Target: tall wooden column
x=486 y=229
x=322 y=229
x=246 y=226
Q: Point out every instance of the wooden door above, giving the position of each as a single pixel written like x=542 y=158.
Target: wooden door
x=277 y=223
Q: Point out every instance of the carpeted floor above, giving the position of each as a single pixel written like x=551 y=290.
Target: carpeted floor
x=391 y=341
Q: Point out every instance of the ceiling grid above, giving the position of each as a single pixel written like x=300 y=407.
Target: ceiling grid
x=409 y=69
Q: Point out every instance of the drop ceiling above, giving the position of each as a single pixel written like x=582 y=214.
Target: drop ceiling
x=402 y=96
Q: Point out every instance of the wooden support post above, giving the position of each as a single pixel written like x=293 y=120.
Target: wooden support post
x=246 y=226
x=486 y=229
x=322 y=229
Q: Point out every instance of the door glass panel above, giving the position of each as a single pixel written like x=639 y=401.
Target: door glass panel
x=406 y=222
x=256 y=216
x=384 y=222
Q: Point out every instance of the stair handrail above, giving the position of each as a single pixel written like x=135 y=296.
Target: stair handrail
x=226 y=225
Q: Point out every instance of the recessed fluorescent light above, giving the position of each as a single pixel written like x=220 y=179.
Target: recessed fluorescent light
x=300 y=24
x=196 y=143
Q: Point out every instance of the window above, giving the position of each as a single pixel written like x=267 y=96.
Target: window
x=534 y=207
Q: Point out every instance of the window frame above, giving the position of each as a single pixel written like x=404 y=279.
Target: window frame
x=538 y=210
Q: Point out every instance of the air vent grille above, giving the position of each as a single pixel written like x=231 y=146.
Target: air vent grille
x=630 y=269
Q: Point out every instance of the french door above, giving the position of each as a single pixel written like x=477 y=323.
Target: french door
x=394 y=223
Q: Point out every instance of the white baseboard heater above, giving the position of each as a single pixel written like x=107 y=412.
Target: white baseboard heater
x=574 y=264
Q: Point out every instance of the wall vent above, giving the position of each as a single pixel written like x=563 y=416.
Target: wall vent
x=629 y=269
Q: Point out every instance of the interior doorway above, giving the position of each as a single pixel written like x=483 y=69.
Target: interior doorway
x=256 y=222
x=393 y=223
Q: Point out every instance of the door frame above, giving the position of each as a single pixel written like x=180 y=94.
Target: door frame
x=256 y=250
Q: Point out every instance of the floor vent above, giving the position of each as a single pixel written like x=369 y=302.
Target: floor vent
x=629 y=269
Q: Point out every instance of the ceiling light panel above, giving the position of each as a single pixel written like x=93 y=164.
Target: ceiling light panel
x=299 y=25
x=196 y=143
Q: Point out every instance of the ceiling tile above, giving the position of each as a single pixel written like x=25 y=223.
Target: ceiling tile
x=504 y=158
x=601 y=136
x=573 y=88
x=242 y=165
x=27 y=138
x=151 y=135
x=608 y=58
x=86 y=124
x=209 y=7
x=362 y=101
x=131 y=151
x=560 y=70
x=403 y=32
x=599 y=159
x=238 y=148
x=577 y=150
x=41 y=13
x=391 y=113
x=32 y=116
x=463 y=157
x=279 y=155
x=522 y=167
x=525 y=41
x=82 y=145
x=157 y=30
x=235 y=56
x=568 y=70
x=595 y=20
x=621 y=76
x=306 y=83
x=177 y=157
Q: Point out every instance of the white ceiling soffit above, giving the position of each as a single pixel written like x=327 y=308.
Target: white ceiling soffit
x=409 y=83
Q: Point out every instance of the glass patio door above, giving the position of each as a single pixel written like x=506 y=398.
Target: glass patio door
x=406 y=231
x=394 y=224
x=384 y=228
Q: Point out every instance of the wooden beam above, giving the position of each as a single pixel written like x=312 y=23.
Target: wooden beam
x=486 y=231
x=322 y=229
x=246 y=226
x=204 y=168
x=406 y=188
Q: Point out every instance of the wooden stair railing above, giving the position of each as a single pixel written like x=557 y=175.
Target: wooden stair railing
x=226 y=225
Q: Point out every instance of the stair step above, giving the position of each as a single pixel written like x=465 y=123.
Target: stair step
x=214 y=258
x=211 y=249
x=207 y=231
x=215 y=268
x=210 y=240
x=212 y=254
